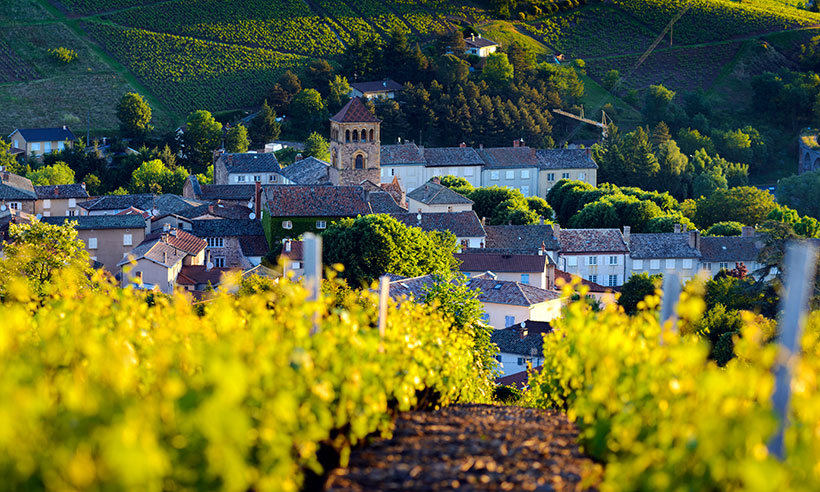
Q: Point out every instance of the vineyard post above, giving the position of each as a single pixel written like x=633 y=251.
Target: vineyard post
x=800 y=268
x=669 y=302
x=313 y=270
x=384 y=291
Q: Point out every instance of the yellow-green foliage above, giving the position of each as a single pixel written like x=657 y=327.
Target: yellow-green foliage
x=102 y=391
x=663 y=417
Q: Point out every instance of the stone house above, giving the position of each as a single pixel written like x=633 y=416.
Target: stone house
x=377 y=89
x=39 y=141
x=60 y=200
x=107 y=238
x=232 y=243
x=247 y=168
x=157 y=261
x=535 y=270
x=434 y=197
x=17 y=193
x=596 y=255
x=664 y=252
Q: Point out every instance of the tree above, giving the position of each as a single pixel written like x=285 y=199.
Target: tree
x=801 y=192
x=316 y=146
x=134 y=114
x=744 y=204
x=153 y=176
x=56 y=174
x=498 y=71
x=264 y=127
x=37 y=251
x=307 y=112
x=452 y=70
x=725 y=228
x=373 y=245
x=202 y=137
x=636 y=289
x=236 y=141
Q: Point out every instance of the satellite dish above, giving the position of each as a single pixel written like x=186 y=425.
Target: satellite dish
x=251 y=215
x=3 y=207
x=250 y=204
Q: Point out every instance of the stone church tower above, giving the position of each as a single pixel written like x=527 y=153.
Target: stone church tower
x=355 y=144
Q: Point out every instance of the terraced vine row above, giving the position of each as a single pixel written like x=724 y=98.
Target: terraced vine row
x=12 y=67
x=192 y=74
x=714 y=20
x=285 y=25
x=581 y=34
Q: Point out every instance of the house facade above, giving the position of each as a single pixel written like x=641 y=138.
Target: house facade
x=60 y=200
x=39 y=141
x=107 y=238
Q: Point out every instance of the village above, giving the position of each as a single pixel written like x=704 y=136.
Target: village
x=187 y=242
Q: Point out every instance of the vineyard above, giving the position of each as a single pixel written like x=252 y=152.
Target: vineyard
x=111 y=392
x=664 y=417
x=12 y=67
x=193 y=74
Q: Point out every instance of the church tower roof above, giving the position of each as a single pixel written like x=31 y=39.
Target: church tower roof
x=355 y=112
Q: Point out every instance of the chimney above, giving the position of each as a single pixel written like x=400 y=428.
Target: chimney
x=677 y=229
x=747 y=231
x=694 y=239
x=627 y=231
x=298 y=157
x=462 y=145
x=257 y=200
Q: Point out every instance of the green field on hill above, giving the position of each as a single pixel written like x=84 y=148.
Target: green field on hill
x=223 y=55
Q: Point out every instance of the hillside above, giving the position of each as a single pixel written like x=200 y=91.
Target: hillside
x=223 y=55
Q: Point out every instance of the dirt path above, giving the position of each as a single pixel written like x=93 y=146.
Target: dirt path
x=469 y=447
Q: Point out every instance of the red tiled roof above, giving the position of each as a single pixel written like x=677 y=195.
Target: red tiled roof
x=355 y=112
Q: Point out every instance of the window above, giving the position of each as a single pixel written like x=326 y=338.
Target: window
x=637 y=264
x=287 y=224
x=72 y=202
x=46 y=203
x=613 y=259
x=216 y=242
x=92 y=243
x=564 y=175
x=723 y=266
x=510 y=175
x=592 y=260
x=613 y=280
x=60 y=145
x=47 y=147
x=687 y=264
x=550 y=176
x=525 y=278
x=219 y=262
x=572 y=261
x=670 y=264
x=494 y=175
x=127 y=240
x=321 y=224
x=592 y=278
x=257 y=178
x=240 y=179
x=525 y=174
x=654 y=264
x=509 y=321
x=468 y=171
